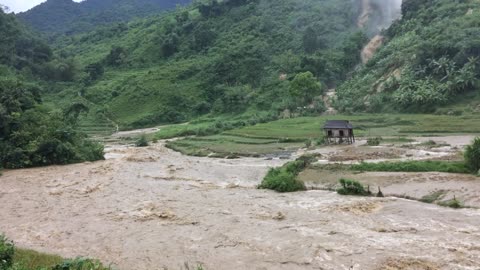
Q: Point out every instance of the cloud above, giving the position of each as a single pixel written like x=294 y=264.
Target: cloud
x=22 y=5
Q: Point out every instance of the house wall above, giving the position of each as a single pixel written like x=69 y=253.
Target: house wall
x=336 y=132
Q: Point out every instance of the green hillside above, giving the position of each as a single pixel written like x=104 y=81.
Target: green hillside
x=250 y=57
x=68 y=17
x=228 y=57
x=430 y=61
x=32 y=134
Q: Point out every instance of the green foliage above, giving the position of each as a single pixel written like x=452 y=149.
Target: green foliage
x=453 y=203
x=304 y=86
x=94 y=71
x=32 y=260
x=80 y=264
x=7 y=250
x=142 y=141
x=352 y=187
x=472 y=155
x=68 y=17
x=374 y=141
x=429 y=60
x=30 y=135
x=284 y=179
x=308 y=143
x=19 y=48
x=413 y=166
x=433 y=197
x=213 y=57
x=211 y=126
x=12 y=258
x=116 y=57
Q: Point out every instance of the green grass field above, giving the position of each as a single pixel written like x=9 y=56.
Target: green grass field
x=367 y=125
x=291 y=134
x=31 y=259
x=231 y=146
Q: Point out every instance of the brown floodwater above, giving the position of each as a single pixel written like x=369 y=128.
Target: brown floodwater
x=153 y=208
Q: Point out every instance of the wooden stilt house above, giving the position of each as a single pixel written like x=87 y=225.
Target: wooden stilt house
x=339 y=131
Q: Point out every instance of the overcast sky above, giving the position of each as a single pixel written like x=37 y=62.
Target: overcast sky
x=22 y=5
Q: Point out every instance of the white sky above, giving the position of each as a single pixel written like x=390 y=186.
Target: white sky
x=22 y=5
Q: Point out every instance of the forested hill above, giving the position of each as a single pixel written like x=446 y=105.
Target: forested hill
x=214 y=57
x=32 y=134
x=18 y=47
x=430 y=61
x=68 y=17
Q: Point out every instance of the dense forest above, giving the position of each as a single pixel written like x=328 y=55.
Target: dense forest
x=229 y=57
x=30 y=133
x=259 y=58
x=430 y=60
x=69 y=17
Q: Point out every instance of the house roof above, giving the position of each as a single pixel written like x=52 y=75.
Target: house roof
x=337 y=124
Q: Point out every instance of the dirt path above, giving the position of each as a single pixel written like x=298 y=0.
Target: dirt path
x=153 y=208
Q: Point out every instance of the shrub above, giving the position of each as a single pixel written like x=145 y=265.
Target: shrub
x=374 y=141
x=320 y=141
x=308 y=143
x=453 y=203
x=142 y=141
x=80 y=264
x=284 y=179
x=433 y=197
x=281 y=180
x=7 y=250
x=352 y=187
x=472 y=156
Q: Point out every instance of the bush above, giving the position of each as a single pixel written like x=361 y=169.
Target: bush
x=374 y=141
x=352 y=187
x=472 y=156
x=308 y=143
x=453 y=203
x=321 y=141
x=284 y=179
x=32 y=135
x=281 y=180
x=80 y=264
x=7 y=251
x=142 y=141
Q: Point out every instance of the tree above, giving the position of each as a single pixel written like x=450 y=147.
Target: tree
x=170 y=45
x=472 y=155
x=4 y=8
x=310 y=41
x=31 y=135
x=74 y=110
x=94 y=71
x=116 y=57
x=305 y=87
x=202 y=37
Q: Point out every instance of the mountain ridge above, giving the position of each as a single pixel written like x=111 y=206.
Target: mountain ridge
x=69 y=17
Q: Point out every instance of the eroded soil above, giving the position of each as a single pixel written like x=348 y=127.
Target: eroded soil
x=152 y=208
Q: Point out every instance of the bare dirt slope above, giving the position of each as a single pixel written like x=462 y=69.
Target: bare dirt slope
x=155 y=209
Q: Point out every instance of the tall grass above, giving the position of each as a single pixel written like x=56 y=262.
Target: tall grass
x=413 y=166
x=31 y=259
x=12 y=258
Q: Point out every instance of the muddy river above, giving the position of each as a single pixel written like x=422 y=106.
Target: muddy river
x=153 y=208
